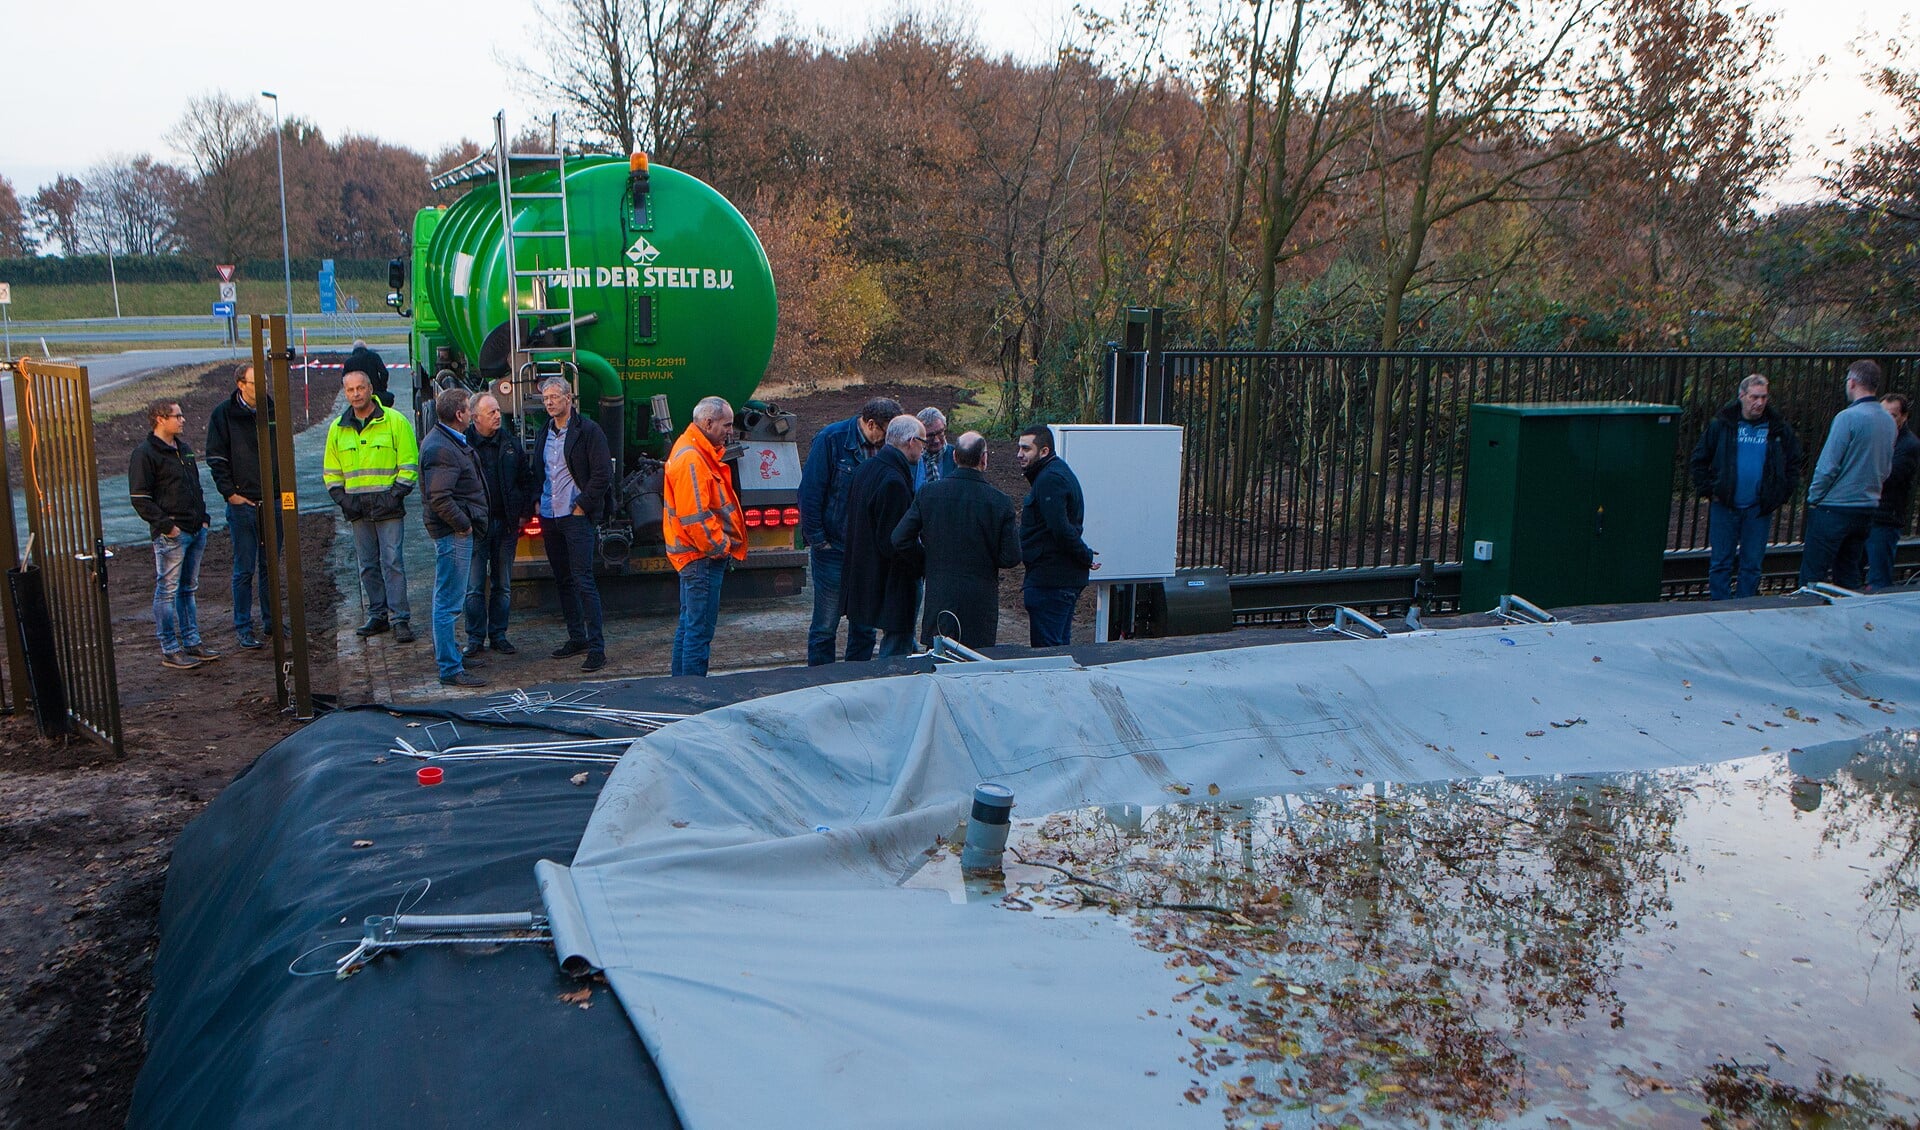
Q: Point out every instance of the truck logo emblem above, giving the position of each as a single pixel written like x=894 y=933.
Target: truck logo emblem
x=642 y=252
x=769 y=463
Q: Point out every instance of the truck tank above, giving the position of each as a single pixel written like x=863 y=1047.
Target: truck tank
x=647 y=289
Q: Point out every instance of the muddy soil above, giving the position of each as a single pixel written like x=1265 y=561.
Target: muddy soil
x=87 y=837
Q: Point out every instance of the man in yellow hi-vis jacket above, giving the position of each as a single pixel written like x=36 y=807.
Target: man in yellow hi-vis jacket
x=703 y=527
x=372 y=461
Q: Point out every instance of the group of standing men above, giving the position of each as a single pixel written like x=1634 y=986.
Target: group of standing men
x=1748 y=461
x=889 y=506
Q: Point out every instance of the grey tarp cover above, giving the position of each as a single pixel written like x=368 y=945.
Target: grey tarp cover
x=782 y=976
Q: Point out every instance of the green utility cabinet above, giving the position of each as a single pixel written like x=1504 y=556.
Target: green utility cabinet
x=1566 y=503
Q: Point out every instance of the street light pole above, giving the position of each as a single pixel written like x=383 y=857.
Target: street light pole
x=280 y=156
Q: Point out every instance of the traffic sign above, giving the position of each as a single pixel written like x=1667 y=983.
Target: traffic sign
x=229 y=292
x=223 y=309
x=6 y=294
x=226 y=272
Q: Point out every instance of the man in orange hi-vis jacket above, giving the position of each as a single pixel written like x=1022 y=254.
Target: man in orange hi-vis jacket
x=703 y=527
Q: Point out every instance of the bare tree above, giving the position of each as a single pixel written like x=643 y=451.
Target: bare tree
x=130 y=207
x=232 y=210
x=640 y=74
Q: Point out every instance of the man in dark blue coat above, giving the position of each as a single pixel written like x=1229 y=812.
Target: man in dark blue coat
x=836 y=452
x=1896 y=495
x=490 y=577
x=881 y=585
x=572 y=471
x=1747 y=463
x=1057 y=558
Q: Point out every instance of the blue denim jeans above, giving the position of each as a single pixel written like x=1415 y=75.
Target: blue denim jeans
x=699 y=612
x=383 y=567
x=176 y=578
x=571 y=545
x=826 y=565
x=1735 y=535
x=243 y=526
x=451 y=555
x=490 y=585
x=1882 y=542
x=1050 y=613
x=1836 y=544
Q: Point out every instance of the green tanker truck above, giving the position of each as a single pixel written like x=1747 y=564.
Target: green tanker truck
x=646 y=290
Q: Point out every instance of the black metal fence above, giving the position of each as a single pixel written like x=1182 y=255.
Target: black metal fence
x=1288 y=466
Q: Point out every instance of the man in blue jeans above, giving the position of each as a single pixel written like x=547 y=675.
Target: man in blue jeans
x=1057 y=558
x=825 y=479
x=233 y=455
x=164 y=482
x=1747 y=463
x=490 y=580
x=1845 y=490
x=455 y=510
x=704 y=529
x=1896 y=495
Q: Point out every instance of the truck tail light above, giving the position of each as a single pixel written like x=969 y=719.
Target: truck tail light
x=532 y=527
x=753 y=519
x=790 y=516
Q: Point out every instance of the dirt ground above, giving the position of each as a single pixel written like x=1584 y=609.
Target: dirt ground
x=87 y=838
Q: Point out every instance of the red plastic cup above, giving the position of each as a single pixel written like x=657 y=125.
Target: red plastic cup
x=430 y=774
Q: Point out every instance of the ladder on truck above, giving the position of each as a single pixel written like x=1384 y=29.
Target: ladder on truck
x=531 y=294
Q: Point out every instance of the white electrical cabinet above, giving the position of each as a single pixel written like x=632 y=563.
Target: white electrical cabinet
x=1130 y=475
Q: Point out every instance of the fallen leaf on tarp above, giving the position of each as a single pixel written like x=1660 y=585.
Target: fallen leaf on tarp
x=582 y=996
x=1181 y=789
x=1536 y=733
x=579 y=778
x=363 y=843
x=1213 y=790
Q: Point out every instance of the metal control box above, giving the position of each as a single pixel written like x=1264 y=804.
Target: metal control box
x=1566 y=503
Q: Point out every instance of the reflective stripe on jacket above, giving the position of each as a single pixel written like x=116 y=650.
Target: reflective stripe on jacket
x=702 y=517
x=365 y=456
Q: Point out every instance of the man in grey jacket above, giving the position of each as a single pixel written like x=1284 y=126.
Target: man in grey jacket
x=456 y=508
x=1845 y=490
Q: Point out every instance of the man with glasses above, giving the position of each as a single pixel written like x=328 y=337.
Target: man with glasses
x=572 y=469
x=881 y=585
x=936 y=462
x=164 y=481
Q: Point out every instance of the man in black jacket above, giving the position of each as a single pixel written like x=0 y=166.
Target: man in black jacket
x=966 y=531
x=1748 y=463
x=572 y=471
x=365 y=360
x=490 y=581
x=1896 y=495
x=1057 y=558
x=233 y=455
x=164 y=482
x=454 y=490
x=881 y=583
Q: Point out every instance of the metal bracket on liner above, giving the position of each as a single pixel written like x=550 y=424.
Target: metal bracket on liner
x=1826 y=591
x=1358 y=625
x=384 y=932
x=1520 y=610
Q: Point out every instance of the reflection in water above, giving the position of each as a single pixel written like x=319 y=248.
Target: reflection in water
x=1724 y=942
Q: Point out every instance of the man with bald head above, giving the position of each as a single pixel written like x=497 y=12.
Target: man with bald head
x=372 y=462
x=965 y=528
x=490 y=576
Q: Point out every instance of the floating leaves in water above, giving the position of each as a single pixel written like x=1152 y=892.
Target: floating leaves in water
x=1391 y=954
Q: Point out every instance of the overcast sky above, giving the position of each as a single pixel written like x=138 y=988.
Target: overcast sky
x=85 y=80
